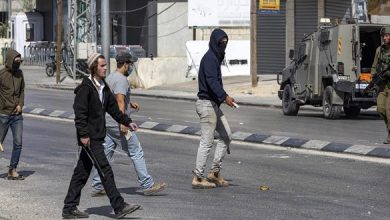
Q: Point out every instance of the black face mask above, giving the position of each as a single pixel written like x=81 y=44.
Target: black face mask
x=15 y=66
x=221 y=47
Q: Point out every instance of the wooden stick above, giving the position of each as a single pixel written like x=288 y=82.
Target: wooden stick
x=1 y=148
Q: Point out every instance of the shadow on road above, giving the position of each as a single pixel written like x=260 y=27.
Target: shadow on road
x=107 y=212
x=25 y=173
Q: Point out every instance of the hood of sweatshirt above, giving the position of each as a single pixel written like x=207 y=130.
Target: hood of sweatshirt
x=215 y=37
x=9 y=58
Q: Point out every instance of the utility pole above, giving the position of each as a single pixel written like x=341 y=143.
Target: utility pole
x=106 y=32
x=253 y=65
x=59 y=40
x=9 y=18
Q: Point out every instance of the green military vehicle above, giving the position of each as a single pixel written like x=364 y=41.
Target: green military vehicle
x=331 y=68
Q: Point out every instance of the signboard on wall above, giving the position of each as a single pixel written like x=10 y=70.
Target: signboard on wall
x=269 y=7
x=219 y=13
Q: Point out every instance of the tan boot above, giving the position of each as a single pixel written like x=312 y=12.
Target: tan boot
x=13 y=175
x=201 y=183
x=387 y=141
x=215 y=177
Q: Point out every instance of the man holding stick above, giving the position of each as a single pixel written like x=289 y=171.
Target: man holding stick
x=93 y=99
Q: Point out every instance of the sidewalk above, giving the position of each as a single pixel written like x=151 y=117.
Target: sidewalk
x=239 y=87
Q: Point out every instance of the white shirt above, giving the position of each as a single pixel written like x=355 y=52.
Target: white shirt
x=99 y=87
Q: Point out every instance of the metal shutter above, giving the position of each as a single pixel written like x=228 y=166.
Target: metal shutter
x=271 y=41
x=306 y=19
x=338 y=9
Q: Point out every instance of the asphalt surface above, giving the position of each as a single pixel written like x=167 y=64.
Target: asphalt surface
x=164 y=114
x=302 y=185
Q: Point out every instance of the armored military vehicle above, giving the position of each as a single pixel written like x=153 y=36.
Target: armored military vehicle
x=331 y=68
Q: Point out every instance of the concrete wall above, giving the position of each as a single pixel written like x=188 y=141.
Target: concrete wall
x=172 y=30
x=233 y=33
x=3 y=5
x=159 y=71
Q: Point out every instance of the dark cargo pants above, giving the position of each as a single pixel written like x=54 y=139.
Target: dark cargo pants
x=383 y=106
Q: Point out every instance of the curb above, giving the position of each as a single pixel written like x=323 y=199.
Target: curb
x=282 y=141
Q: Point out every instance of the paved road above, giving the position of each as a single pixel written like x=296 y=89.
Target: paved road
x=367 y=129
x=302 y=186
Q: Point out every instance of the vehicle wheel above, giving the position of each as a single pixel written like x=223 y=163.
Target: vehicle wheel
x=288 y=105
x=352 y=111
x=49 y=71
x=330 y=111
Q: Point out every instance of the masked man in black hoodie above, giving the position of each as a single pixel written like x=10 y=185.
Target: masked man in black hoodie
x=11 y=105
x=93 y=99
x=210 y=96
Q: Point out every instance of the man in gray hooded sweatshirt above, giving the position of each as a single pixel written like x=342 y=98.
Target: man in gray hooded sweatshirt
x=11 y=105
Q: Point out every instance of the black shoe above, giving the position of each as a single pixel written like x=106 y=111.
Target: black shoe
x=74 y=214
x=127 y=209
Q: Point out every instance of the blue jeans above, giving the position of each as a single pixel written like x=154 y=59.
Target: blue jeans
x=16 y=124
x=134 y=151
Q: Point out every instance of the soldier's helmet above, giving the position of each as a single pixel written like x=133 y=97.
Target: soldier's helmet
x=385 y=30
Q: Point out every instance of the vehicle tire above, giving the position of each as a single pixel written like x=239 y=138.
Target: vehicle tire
x=288 y=105
x=330 y=111
x=50 y=70
x=352 y=111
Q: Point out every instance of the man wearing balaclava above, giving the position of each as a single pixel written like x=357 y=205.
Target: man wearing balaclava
x=381 y=63
x=11 y=105
x=210 y=96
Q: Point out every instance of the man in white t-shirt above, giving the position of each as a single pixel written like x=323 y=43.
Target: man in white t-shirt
x=128 y=140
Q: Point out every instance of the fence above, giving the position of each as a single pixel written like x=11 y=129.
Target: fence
x=38 y=53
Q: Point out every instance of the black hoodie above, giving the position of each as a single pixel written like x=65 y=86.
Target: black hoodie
x=90 y=112
x=210 y=77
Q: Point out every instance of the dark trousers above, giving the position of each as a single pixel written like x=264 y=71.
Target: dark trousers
x=81 y=175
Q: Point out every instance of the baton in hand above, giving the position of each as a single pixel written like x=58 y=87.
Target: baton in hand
x=94 y=161
x=1 y=148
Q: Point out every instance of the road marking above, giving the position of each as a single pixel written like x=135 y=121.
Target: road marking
x=148 y=124
x=275 y=139
x=37 y=110
x=176 y=128
x=315 y=144
x=240 y=135
x=310 y=145
x=359 y=149
x=56 y=113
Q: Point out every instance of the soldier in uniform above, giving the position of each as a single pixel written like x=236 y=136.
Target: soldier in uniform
x=382 y=62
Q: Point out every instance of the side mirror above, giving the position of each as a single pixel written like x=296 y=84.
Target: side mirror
x=291 y=54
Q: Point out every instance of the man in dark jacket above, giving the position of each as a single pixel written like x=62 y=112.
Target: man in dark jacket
x=210 y=96
x=93 y=99
x=11 y=105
